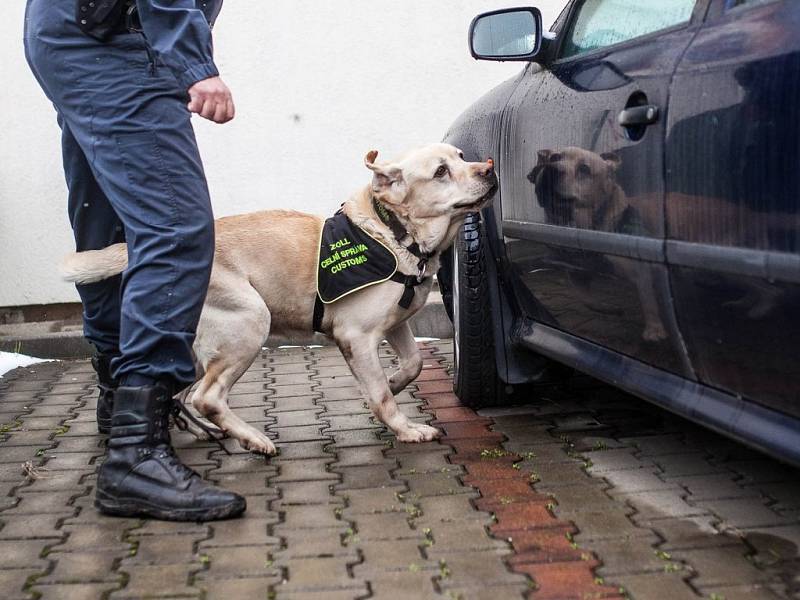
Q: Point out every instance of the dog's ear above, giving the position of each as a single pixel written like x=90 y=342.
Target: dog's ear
x=612 y=159
x=542 y=160
x=388 y=183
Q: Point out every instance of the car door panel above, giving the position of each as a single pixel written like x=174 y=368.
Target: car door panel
x=583 y=198
x=732 y=207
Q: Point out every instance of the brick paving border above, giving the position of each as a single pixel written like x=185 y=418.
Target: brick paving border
x=543 y=546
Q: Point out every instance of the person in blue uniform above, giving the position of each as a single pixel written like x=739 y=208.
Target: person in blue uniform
x=124 y=77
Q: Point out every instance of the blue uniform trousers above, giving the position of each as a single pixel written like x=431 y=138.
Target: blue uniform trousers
x=134 y=174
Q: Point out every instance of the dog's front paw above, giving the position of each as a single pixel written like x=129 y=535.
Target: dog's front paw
x=409 y=436
x=428 y=433
x=257 y=443
x=417 y=432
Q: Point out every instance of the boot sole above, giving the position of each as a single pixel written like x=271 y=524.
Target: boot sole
x=135 y=507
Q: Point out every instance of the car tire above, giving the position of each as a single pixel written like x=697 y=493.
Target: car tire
x=475 y=378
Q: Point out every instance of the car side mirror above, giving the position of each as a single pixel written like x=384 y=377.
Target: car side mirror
x=507 y=34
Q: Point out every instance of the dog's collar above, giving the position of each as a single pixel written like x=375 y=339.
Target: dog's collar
x=390 y=219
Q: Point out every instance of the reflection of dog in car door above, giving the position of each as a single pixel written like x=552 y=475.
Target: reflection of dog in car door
x=578 y=188
x=264 y=280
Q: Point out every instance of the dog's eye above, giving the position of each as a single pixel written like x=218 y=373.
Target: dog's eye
x=441 y=172
x=460 y=155
x=584 y=170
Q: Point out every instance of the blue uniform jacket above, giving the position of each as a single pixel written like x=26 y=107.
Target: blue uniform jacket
x=180 y=32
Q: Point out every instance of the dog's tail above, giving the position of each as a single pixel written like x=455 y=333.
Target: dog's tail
x=95 y=265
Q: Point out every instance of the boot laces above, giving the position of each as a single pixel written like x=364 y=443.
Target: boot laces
x=167 y=452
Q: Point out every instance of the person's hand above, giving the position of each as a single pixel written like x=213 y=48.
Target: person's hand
x=212 y=100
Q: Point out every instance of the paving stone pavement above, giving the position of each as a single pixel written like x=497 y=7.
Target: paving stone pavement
x=670 y=509
x=586 y=493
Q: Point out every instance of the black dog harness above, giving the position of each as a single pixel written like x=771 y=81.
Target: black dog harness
x=350 y=259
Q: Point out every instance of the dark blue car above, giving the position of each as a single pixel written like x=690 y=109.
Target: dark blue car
x=647 y=225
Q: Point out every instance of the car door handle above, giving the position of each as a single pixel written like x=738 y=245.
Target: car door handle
x=638 y=115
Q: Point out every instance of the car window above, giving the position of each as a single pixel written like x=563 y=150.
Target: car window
x=601 y=23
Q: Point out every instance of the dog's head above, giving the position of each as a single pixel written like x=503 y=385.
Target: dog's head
x=432 y=182
x=572 y=184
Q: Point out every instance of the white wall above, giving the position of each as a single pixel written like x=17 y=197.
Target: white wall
x=317 y=85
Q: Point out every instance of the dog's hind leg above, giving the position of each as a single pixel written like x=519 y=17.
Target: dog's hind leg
x=229 y=339
x=185 y=396
x=402 y=341
x=361 y=354
x=184 y=424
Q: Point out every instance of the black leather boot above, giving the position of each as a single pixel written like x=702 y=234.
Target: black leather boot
x=107 y=385
x=142 y=476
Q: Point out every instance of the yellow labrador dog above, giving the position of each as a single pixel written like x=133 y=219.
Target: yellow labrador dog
x=428 y=191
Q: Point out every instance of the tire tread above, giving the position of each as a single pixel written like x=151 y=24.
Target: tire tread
x=475 y=381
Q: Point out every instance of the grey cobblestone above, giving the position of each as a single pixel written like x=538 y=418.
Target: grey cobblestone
x=307 y=492
x=661 y=504
x=435 y=484
x=462 y=536
x=311 y=469
x=682 y=465
x=242 y=561
x=721 y=566
x=305 y=433
x=147 y=581
x=374 y=500
x=342 y=393
x=389 y=555
x=471 y=570
x=372 y=476
x=743 y=592
x=76 y=591
x=659 y=585
x=309 y=543
x=368 y=456
x=637 y=555
x=744 y=512
x=82 y=566
x=357 y=438
x=304 y=450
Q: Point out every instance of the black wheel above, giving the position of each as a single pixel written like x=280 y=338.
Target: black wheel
x=475 y=379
